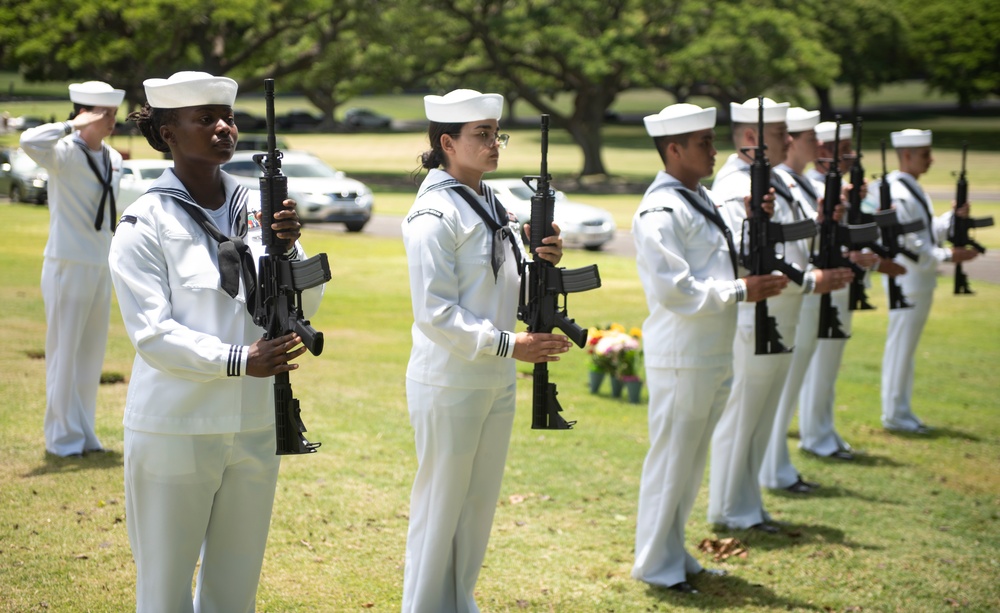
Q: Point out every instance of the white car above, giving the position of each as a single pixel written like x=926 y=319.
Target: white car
x=581 y=225
x=137 y=176
x=322 y=193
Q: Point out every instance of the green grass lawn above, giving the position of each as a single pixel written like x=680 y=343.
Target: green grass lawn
x=912 y=525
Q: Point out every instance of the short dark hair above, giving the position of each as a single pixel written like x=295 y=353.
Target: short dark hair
x=149 y=120
x=662 y=142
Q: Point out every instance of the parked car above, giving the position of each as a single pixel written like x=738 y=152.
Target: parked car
x=322 y=193
x=581 y=225
x=258 y=142
x=22 y=179
x=297 y=120
x=361 y=119
x=137 y=176
x=248 y=121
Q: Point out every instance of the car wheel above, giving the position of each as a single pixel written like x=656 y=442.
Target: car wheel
x=355 y=226
x=15 y=193
x=594 y=247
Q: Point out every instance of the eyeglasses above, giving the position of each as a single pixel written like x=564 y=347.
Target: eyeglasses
x=500 y=140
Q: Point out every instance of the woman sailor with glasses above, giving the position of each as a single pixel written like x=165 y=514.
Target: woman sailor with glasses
x=465 y=272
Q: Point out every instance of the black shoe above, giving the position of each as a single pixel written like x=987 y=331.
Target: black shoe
x=842 y=454
x=766 y=527
x=97 y=450
x=801 y=487
x=683 y=587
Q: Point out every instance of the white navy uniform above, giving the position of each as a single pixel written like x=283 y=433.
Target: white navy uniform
x=76 y=287
x=200 y=463
x=906 y=325
x=817 y=432
x=743 y=432
x=687 y=272
x=460 y=385
x=777 y=470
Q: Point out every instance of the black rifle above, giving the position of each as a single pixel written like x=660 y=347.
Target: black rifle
x=539 y=302
x=280 y=283
x=833 y=238
x=858 y=300
x=958 y=233
x=762 y=236
x=892 y=235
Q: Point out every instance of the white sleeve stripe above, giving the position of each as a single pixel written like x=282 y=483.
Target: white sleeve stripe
x=235 y=361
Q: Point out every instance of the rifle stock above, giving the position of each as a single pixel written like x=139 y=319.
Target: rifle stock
x=541 y=288
x=281 y=282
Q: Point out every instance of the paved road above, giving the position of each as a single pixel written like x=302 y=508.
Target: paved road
x=983 y=268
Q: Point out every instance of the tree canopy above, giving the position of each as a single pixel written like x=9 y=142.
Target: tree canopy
x=531 y=50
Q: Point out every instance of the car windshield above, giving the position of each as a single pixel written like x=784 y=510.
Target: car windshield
x=522 y=192
x=307 y=168
x=302 y=168
x=150 y=173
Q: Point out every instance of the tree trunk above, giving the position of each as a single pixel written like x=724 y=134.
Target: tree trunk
x=855 y=99
x=825 y=105
x=585 y=127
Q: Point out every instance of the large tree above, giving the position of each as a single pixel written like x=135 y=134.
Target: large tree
x=871 y=38
x=126 y=41
x=750 y=47
x=958 y=45
x=590 y=49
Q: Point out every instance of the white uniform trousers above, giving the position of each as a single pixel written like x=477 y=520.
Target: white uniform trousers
x=207 y=494
x=741 y=438
x=77 y=313
x=461 y=438
x=777 y=471
x=684 y=406
x=899 y=362
x=817 y=433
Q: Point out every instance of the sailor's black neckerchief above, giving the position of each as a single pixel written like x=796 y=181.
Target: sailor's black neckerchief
x=104 y=178
x=235 y=258
x=497 y=225
x=703 y=204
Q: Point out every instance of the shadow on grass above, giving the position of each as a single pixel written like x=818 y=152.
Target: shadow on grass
x=724 y=593
x=934 y=433
x=54 y=464
x=830 y=492
x=796 y=535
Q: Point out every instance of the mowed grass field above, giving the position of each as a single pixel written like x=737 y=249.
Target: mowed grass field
x=912 y=525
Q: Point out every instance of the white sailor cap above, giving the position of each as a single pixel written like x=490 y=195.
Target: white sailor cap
x=800 y=120
x=679 y=119
x=189 y=88
x=95 y=93
x=463 y=105
x=827 y=131
x=774 y=112
x=911 y=138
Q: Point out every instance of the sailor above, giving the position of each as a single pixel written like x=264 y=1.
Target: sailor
x=464 y=254
x=84 y=174
x=913 y=148
x=200 y=463
x=687 y=256
x=741 y=437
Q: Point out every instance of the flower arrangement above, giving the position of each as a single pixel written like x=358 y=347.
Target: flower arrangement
x=616 y=352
